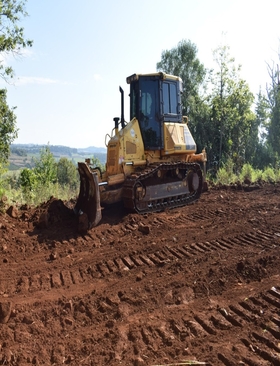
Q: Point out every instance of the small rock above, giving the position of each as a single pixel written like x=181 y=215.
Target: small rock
x=4 y=248
x=68 y=321
x=27 y=319
x=103 y=307
x=140 y=276
x=53 y=256
x=24 y=216
x=5 y=311
x=69 y=305
x=145 y=229
x=12 y=212
x=139 y=361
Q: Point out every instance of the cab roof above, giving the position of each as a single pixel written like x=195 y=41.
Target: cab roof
x=161 y=75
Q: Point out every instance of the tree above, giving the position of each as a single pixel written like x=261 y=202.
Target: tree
x=231 y=116
x=12 y=38
x=258 y=153
x=182 y=61
x=67 y=173
x=8 y=130
x=273 y=98
x=27 y=180
x=45 y=167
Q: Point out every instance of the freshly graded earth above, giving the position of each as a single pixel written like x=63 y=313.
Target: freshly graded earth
x=198 y=283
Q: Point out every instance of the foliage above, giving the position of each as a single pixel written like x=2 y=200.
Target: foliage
x=225 y=174
x=273 y=97
x=17 y=151
x=8 y=130
x=97 y=163
x=47 y=179
x=27 y=179
x=182 y=61
x=249 y=174
x=231 y=115
x=221 y=121
x=11 y=180
x=45 y=167
x=28 y=182
x=269 y=175
x=67 y=173
x=12 y=38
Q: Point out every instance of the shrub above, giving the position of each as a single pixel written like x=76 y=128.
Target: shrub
x=67 y=173
x=225 y=174
x=247 y=173
x=269 y=175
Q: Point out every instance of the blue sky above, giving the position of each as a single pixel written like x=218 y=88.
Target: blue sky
x=67 y=85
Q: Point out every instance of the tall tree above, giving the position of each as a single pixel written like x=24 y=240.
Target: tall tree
x=183 y=61
x=12 y=40
x=273 y=96
x=8 y=130
x=258 y=153
x=231 y=116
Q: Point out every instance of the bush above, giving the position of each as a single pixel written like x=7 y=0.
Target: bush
x=47 y=179
x=225 y=174
x=269 y=175
x=248 y=173
x=67 y=173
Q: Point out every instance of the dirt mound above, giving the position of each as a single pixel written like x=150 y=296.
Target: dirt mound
x=198 y=283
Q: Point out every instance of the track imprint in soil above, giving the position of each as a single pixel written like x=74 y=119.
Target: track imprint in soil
x=197 y=283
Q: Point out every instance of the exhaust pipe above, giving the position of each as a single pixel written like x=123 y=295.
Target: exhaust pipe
x=122 y=107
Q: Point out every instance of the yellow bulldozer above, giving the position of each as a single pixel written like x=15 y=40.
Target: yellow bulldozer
x=151 y=161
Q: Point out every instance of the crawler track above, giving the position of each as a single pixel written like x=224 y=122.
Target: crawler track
x=161 y=186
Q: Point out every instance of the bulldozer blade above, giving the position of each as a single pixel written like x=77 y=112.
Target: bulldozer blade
x=88 y=204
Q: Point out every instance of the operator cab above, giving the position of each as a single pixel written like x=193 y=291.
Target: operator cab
x=155 y=99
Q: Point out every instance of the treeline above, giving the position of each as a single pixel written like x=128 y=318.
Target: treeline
x=225 y=117
x=23 y=150
x=24 y=155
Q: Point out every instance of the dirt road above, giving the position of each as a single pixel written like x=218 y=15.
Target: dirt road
x=196 y=283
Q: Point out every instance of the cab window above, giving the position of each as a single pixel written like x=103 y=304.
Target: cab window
x=169 y=98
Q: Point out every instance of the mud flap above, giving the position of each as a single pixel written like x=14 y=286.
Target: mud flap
x=88 y=204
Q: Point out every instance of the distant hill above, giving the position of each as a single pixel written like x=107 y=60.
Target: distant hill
x=58 y=148
x=92 y=149
x=22 y=155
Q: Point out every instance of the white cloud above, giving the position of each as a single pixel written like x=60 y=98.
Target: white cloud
x=24 y=80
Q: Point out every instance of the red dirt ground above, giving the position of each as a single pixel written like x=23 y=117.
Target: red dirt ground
x=198 y=283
